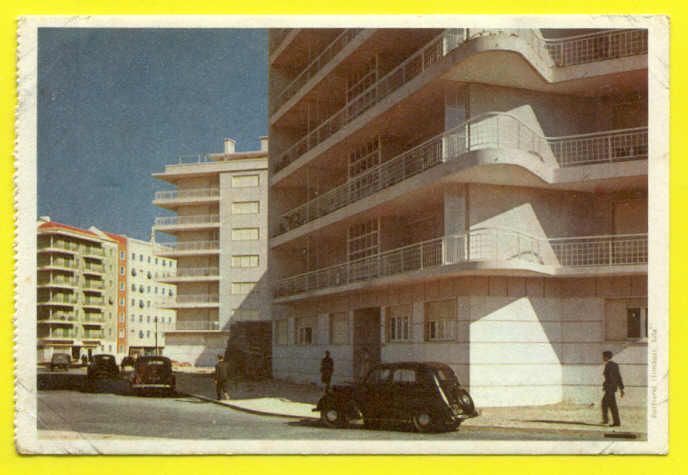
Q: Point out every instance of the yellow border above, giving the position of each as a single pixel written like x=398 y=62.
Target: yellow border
x=11 y=462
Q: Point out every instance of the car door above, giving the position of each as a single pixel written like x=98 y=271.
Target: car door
x=406 y=394
x=374 y=393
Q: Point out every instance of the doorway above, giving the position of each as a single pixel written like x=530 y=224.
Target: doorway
x=367 y=346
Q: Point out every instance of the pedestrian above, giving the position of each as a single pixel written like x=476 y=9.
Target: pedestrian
x=220 y=378
x=612 y=382
x=326 y=370
x=84 y=360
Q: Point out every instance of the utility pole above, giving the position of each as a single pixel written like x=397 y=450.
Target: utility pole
x=156 y=336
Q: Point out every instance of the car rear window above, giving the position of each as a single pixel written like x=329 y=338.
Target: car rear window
x=404 y=375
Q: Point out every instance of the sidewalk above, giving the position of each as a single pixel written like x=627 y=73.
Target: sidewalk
x=280 y=398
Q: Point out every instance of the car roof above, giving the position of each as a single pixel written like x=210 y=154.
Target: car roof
x=143 y=359
x=414 y=365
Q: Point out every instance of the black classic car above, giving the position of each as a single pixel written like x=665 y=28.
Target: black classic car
x=60 y=361
x=428 y=395
x=152 y=373
x=102 y=367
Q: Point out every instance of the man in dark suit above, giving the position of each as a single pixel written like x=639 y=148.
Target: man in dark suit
x=220 y=378
x=612 y=382
x=326 y=370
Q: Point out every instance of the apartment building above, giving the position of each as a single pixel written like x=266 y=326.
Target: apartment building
x=218 y=236
x=76 y=291
x=471 y=196
x=148 y=299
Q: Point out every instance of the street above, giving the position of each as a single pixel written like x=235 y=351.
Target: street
x=117 y=414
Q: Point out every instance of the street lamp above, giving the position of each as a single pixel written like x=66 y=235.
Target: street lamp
x=156 y=335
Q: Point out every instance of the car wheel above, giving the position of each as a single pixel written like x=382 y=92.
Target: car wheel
x=424 y=422
x=332 y=416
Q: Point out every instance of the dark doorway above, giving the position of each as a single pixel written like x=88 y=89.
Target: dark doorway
x=367 y=345
x=76 y=352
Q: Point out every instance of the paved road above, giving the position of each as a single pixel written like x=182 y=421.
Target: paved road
x=122 y=415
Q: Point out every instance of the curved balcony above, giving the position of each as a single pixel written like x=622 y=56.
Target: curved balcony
x=201 y=221
x=94 y=253
x=59 y=281
x=58 y=264
x=195 y=326
x=314 y=67
x=493 y=130
x=93 y=334
x=58 y=334
x=549 y=54
x=188 y=248
x=63 y=247
x=57 y=318
x=58 y=300
x=94 y=269
x=479 y=250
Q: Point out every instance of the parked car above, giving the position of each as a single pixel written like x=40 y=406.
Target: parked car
x=428 y=395
x=153 y=373
x=127 y=361
x=103 y=367
x=60 y=361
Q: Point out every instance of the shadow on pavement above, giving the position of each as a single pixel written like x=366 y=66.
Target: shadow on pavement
x=553 y=421
x=54 y=381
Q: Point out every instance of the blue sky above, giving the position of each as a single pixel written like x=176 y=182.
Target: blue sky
x=116 y=105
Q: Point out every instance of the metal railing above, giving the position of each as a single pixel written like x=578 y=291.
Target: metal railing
x=58 y=333
x=173 y=247
x=94 y=301
x=409 y=69
x=93 y=334
x=94 y=251
x=317 y=64
x=556 y=52
x=59 y=262
x=182 y=220
x=483 y=244
x=94 y=285
x=192 y=298
x=172 y=195
x=599 y=46
x=491 y=130
x=93 y=318
x=59 y=244
x=94 y=268
x=196 y=325
x=59 y=280
x=198 y=272
x=57 y=298
x=57 y=317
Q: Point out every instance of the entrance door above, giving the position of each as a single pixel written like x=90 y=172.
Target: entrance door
x=367 y=346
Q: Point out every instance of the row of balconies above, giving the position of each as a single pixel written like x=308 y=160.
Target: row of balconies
x=498 y=131
x=496 y=248
x=188 y=247
x=197 y=325
x=203 y=220
x=70 y=300
x=69 y=334
x=63 y=246
x=59 y=280
x=70 y=264
x=191 y=300
x=562 y=52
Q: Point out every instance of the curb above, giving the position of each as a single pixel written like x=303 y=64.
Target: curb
x=247 y=410
x=605 y=435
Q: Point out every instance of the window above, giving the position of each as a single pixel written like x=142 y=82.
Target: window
x=304 y=330
x=339 y=328
x=133 y=302
x=156 y=261
x=245 y=234
x=281 y=332
x=122 y=302
x=636 y=322
x=121 y=270
x=404 y=375
x=440 y=320
x=140 y=333
x=122 y=256
x=133 y=287
x=140 y=257
x=242 y=288
x=148 y=319
x=133 y=256
x=363 y=240
x=251 y=260
x=149 y=259
x=140 y=318
x=245 y=181
x=147 y=333
x=245 y=207
x=398 y=323
x=121 y=285
x=140 y=288
x=133 y=272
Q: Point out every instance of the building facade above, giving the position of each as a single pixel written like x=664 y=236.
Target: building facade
x=219 y=240
x=476 y=197
x=76 y=294
x=148 y=299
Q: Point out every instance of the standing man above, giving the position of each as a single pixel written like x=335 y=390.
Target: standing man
x=221 y=378
x=326 y=370
x=612 y=381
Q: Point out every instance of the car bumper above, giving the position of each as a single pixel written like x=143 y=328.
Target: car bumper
x=152 y=386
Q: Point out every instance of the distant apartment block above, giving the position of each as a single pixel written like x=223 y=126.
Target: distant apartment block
x=76 y=291
x=471 y=196
x=218 y=236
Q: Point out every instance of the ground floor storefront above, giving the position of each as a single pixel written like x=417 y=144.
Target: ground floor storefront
x=513 y=341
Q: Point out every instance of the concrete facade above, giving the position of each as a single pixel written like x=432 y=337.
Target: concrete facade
x=476 y=197
x=220 y=245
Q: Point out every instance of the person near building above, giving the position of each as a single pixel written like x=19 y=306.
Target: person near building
x=326 y=370
x=220 y=378
x=612 y=382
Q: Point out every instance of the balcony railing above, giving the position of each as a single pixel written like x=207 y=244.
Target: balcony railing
x=93 y=334
x=63 y=333
x=484 y=244
x=46 y=245
x=59 y=280
x=327 y=54
x=190 y=299
x=492 y=130
x=198 y=193
x=64 y=263
x=94 y=301
x=94 y=252
x=197 y=272
x=599 y=46
x=56 y=317
x=183 y=220
x=94 y=318
x=191 y=325
x=94 y=268
x=559 y=52
x=94 y=285
x=173 y=247
x=57 y=299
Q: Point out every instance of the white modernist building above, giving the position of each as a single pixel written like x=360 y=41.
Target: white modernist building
x=477 y=197
x=219 y=241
